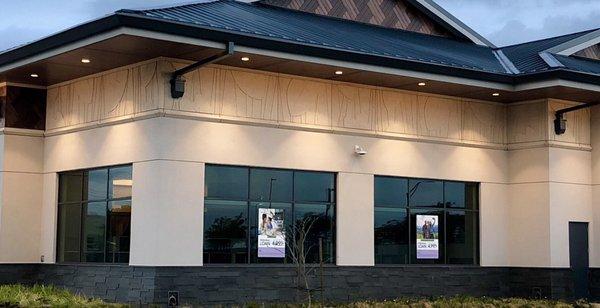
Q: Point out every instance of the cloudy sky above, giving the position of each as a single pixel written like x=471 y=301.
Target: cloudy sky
x=501 y=21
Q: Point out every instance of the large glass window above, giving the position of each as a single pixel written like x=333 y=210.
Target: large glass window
x=94 y=215
x=420 y=221
x=235 y=211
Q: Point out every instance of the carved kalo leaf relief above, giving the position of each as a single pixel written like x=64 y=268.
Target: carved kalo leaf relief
x=261 y=97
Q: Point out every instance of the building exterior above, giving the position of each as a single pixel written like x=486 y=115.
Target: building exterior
x=174 y=149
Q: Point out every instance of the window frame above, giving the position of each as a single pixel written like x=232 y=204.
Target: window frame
x=251 y=203
x=476 y=211
x=82 y=204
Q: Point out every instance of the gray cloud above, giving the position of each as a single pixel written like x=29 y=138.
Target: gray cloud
x=508 y=22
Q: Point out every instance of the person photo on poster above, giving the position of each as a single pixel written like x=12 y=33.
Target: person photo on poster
x=427 y=237
x=271 y=233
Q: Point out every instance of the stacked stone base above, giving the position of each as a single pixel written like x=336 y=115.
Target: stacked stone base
x=260 y=284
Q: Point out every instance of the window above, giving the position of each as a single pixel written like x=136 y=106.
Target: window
x=235 y=196
x=420 y=221
x=94 y=215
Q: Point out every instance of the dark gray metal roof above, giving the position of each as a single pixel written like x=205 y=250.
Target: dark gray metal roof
x=299 y=27
x=262 y=26
x=526 y=56
x=579 y=64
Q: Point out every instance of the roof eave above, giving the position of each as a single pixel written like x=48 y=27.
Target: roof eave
x=57 y=40
x=125 y=20
x=196 y=31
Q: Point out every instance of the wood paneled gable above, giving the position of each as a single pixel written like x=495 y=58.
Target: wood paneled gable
x=397 y=14
x=592 y=52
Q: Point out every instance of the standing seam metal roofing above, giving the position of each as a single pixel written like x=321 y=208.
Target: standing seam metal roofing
x=526 y=56
x=278 y=23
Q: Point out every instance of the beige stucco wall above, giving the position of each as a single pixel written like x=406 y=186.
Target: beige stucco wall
x=226 y=143
x=168 y=213
x=21 y=199
x=354 y=219
x=532 y=181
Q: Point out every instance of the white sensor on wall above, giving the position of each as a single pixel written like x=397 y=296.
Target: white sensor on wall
x=359 y=150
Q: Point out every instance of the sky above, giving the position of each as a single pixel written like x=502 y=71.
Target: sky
x=503 y=22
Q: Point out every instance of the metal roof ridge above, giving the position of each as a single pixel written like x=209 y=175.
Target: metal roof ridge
x=550 y=59
x=505 y=61
x=547 y=38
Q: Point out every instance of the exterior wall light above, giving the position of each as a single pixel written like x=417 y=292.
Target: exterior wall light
x=421 y=84
x=245 y=59
x=360 y=151
x=34 y=75
x=338 y=72
x=496 y=94
x=85 y=60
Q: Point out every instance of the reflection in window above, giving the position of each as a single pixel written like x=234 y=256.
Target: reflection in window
x=234 y=196
x=225 y=232
x=94 y=215
x=391 y=192
x=426 y=193
x=448 y=208
x=391 y=236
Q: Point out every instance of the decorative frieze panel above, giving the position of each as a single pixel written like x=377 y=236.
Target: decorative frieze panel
x=290 y=100
x=118 y=93
x=533 y=122
x=578 y=123
x=256 y=97
x=304 y=101
x=482 y=122
x=527 y=122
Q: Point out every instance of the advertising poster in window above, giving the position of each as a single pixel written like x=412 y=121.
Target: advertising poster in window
x=271 y=233
x=428 y=246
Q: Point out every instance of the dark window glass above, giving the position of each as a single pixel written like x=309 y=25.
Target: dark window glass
x=313 y=186
x=119 y=230
x=120 y=183
x=472 y=196
x=461 y=233
x=271 y=185
x=94 y=224
x=226 y=182
x=70 y=187
x=304 y=196
x=94 y=231
x=225 y=232
x=454 y=205
x=391 y=236
x=438 y=225
x=69 y=232
x=390 y=192
x=96 y=185
x=318 y=219
x=426 y=193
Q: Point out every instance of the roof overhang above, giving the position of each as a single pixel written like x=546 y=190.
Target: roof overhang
x=119 y=40
x=582 y=42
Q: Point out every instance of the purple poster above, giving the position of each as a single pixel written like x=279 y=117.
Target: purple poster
x=271 y=233
x=428 y=246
